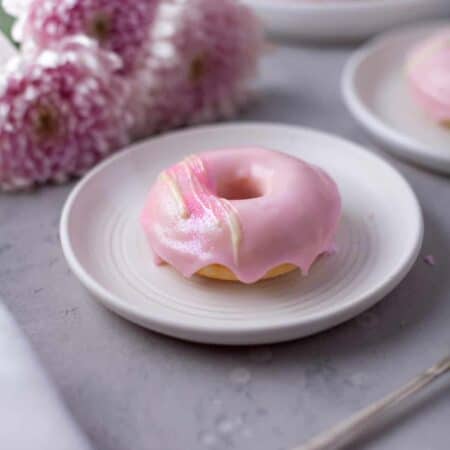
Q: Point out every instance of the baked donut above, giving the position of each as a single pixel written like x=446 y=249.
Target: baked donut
x=428 y=71
x=241 y=214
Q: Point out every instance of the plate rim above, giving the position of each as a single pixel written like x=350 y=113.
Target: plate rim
x=334 y=6
x=251 y=333
x=320 y=22
x=393 y=140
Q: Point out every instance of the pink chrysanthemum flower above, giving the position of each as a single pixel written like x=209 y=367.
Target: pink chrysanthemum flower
x=60 y=113
x=201 y=60
x=121 y=26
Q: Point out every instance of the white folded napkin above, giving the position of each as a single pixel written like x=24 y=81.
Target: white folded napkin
x=32 y=417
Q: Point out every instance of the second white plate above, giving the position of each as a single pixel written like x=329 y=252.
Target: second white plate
x=376 y=92
x=378 y=241
x=342 y=20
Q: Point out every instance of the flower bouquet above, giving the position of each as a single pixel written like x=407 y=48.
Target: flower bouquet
x=93 y=75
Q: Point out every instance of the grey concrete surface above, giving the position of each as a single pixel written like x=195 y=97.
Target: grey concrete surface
x=131 y=389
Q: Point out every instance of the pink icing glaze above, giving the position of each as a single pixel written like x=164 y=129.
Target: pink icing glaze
x=429 y=76
x=249 y=209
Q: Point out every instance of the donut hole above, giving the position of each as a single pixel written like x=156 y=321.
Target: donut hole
x=242 y=188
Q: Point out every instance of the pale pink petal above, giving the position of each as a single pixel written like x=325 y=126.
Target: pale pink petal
x=201 y=61
x=121 y=26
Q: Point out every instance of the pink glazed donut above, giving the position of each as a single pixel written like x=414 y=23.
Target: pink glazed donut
x=428 y=70
x=241 y=214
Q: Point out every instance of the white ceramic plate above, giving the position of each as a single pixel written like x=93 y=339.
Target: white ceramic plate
x=342 y=20
x=376 y=92
x=106 y=248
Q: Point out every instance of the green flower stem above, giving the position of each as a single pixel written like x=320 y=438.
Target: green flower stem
x=6 y=23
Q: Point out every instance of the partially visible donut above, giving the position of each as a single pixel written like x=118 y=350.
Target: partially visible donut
x=242 y=214
x=428 y=71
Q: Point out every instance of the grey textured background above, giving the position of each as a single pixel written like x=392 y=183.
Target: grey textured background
x=131 y=389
